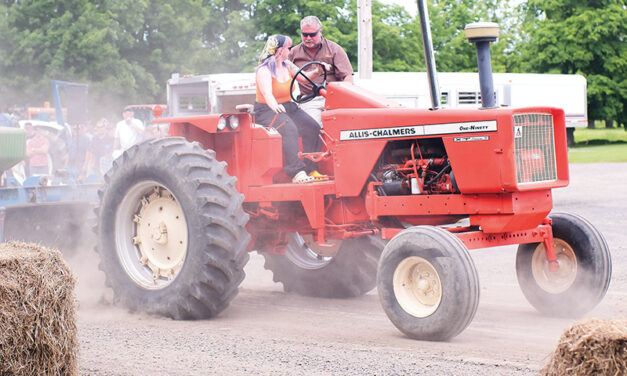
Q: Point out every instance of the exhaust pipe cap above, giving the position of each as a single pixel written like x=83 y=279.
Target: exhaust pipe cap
x=481 y=31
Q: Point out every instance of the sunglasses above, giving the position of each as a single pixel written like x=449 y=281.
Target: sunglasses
x=310 y=35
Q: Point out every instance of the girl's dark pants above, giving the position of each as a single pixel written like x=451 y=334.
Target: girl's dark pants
x=292 y=124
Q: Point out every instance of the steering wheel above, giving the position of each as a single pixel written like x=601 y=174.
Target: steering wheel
x=314 y=86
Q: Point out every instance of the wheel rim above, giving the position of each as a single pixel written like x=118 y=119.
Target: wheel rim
x=417 y=287
x=555 y=282
x=151 y=235
x=301 y=251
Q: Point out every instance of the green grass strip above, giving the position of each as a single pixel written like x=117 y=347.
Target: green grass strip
x=598 y=153
x=599 y=145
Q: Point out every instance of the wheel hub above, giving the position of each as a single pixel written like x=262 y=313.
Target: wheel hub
x=161 y=234
x=560 y=280
x=426 y=284
x=417 y=286
x=303 y=252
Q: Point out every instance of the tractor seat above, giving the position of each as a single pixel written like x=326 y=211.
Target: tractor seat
x=245 y=108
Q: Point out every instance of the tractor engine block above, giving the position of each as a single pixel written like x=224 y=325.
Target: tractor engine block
x=415 y=167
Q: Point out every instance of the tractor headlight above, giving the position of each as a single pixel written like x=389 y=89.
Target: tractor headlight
x=221 y=123
x=233 y=121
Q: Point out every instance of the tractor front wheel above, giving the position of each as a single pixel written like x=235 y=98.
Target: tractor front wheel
x=583 y=274
x=350 y=273
x=171 y=230
x=428 y=284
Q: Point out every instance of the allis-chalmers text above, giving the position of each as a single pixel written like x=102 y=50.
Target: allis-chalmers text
x=419 y=130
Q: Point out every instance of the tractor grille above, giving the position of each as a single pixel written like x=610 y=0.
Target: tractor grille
x=534 y=148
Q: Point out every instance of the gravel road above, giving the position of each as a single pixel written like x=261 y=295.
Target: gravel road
x=266 y=331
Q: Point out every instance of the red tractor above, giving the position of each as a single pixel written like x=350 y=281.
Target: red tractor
x=411 y=191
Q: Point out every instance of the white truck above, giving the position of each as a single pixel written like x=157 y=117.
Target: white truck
x=211 y=93
x=217 y=93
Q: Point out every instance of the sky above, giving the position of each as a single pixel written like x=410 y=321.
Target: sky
x=410 y=5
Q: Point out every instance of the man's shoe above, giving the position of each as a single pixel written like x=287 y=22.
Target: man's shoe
x=318 y=176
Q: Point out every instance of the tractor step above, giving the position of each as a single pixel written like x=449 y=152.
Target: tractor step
x=290 y=191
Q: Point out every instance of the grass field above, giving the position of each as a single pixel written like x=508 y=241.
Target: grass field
x=599 y=145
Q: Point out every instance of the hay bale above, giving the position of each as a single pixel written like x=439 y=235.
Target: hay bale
x=591 y=347
x=37 y=312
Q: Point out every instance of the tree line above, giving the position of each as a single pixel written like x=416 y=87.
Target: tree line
x=127 y=49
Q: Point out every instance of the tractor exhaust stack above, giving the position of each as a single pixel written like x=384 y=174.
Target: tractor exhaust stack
x=427 y=44
x=482 y=34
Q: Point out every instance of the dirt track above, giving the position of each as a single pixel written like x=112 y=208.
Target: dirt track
x=266 y=331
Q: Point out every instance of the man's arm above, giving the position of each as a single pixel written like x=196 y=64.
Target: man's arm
x=138 y=125
x=343 y=67
x=311 y=74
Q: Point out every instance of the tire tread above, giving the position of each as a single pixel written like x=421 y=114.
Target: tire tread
x=209 y=287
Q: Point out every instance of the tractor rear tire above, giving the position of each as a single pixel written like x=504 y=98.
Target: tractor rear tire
x=428 y=284
x=585 y=269
x=350 y=273
x=171 y=230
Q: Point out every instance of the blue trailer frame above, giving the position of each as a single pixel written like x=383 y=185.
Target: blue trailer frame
x=53 y=215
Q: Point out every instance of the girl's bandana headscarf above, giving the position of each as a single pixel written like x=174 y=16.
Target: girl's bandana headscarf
x=266 y=58
x=273 y=43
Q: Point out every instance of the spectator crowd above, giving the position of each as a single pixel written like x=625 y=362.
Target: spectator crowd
x=83 y=151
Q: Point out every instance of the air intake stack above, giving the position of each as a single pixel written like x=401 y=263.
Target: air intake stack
x=482 y=34
x=427 y=44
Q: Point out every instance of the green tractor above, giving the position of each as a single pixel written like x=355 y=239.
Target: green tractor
x=12 y=147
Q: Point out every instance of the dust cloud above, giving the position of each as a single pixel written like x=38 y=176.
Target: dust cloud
x=93 y=294
x=91 y=291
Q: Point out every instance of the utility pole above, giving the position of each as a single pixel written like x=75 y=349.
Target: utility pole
x=364 y=34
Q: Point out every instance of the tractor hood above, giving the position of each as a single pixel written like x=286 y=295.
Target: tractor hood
x=346 y=95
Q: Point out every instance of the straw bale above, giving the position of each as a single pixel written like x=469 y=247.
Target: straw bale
x=591 y=347
x=38 y=333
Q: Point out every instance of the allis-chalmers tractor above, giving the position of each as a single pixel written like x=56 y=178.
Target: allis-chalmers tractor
x=411 y=191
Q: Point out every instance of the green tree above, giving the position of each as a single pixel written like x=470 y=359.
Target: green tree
x=397 y=40
x=230 y=37
x=44 y=40
x=586 y=37
x=453 y=51
x=154 y=39
x=125 y=50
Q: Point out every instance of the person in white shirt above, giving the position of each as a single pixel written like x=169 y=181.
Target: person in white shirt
x=128 y=132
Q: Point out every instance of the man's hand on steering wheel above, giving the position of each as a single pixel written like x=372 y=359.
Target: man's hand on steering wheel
x=315 y=88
